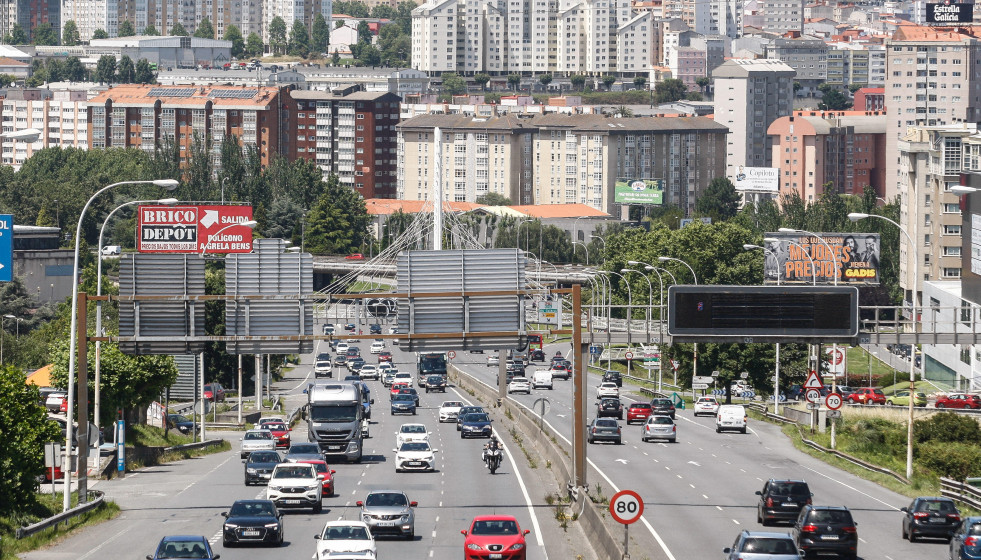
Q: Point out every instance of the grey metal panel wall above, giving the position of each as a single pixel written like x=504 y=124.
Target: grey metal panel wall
x=269 y=270
x=461 y=271
x=161 y=275
x=183 y=388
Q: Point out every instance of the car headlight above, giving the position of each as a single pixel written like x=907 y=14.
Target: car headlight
x=250 y=471
x=273 y=488
x=516 y=546
x=231 y=526
x=314 y=487
x=405 y=518
x=473 y=546
x=272 y=525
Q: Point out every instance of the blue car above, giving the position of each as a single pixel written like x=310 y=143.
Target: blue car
x=403 y=403
x=475 y=424
x=966 y=544
x=183 y=546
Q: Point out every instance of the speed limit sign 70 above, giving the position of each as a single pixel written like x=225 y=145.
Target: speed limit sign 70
x=833 y=401
x=626 y=506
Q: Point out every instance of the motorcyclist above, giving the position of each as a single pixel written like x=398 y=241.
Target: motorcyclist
x=491 y=445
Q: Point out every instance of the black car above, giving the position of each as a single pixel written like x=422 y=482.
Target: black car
x=349 y=327
x=340 y=360
x=259 y=465
x=556 y=358
x=374 y=329
x=610 y=408
x=180 y=423
x=475 y=424
x=662 y=406
x=410 y=391
x=252 y=521
x=436 y=383
x=323 y=357
x=536 y=356
x=613 y=377
x=781 y=500
x=303 y=451
x=466 y=410
x=403 y=403
x=826 y=529
x=930 y=517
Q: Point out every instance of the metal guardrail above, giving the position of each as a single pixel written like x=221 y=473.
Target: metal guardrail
x=64 y=516
x=961 y=492
x=195 y=445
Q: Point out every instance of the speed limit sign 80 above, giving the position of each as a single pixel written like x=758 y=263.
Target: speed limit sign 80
x=626 y=507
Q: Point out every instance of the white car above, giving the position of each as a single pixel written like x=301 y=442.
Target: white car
x=377 y=347
x=541 y=378
x=608 y=389
x=449 y=410
x=296 y=485
x=368 y=371
x=519 y=385
x=345 y=539
x=415 y=456
x=706 y=405
x=411 y=432
x=493 y=360
x=403 y=377
x=257 y=440
x=341 y=348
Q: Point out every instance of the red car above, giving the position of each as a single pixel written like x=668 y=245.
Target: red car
x=396 y=387
x=214 y=392
x=639 y=412
x=867 y=395
x=494 y=536
x=324 y=473
x=959 y=400
x=385 y=356
x=280 y=431
x=355 y=257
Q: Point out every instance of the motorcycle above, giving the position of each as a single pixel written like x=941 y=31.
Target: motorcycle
x=492 y=458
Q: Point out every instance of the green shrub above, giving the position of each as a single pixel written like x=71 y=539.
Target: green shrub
x=952 y=460
x=947 y=427
x=875 y=436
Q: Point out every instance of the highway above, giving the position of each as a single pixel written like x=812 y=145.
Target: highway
x=699 y=493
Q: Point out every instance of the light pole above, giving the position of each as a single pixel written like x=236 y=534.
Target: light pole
x=650 y=296
x=517 y=232
x=169 y=184
x=97 y=401
x=776 y=375
x=694 y=355
x=630 y=297
x=604 y=243
x=2 y=333
x=584 y=248
x=856 y=216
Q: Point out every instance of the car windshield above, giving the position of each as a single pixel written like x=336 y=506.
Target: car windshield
x=304 y=449
x=346 y=533
x=452 y=404
x=501 y=527
x=276 y=427
x=182 y=549
x=936 y=506
x=660 y=420
x=293 y=471
x=878 y=392
x=469 y=409
x=257 y=508
x=178 y=418
x=760 y=545
x=414 y=446
x=606 y=423
x=319 y=467
x=413 y=429
x=640 y=406
x=975 y=530
x=258 y=435
x=342 y=413
x=476 y=417
x=386 y=499
x=790 y=489
x=404 y=397
x=610 y=403
x=264 y=457
x=661 y=402
x=830 y=516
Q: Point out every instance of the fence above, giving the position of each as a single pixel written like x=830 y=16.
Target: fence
x=64 y=516
x=961 y=492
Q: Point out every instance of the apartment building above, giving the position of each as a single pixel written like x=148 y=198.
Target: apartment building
x=807 y=56
x=139 y=116
x=749 y=96
x=29 y=14
x=829 y=151
x=783 y=16
x=61 y=118
x=559 y=159
x=635 y=45
x=870 y=99
x=350 y=133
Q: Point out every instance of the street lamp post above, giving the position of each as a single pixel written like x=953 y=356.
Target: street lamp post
x=169 y=184
x=601 y=239
x=97 y=401
x=650 y=297
x=630 y=297
x=776 y=374
x=694 y=358
x=584 y=248
x=856 y=216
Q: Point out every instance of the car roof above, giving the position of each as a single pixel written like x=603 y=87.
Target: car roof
x=787 y=480
x=494 y=518
x=840 y=508
x=766 y=534
x=192 y=538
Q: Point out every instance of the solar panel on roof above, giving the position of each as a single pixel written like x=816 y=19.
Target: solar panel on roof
x=172 y=92
x=233 y=93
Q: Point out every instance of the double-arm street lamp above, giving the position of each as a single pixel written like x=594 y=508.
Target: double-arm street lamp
x=694 y=359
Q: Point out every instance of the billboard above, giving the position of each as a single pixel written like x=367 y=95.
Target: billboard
x=639 y=191
x=188 y=229
x=757 y=179
x=798 y=257
x=946 y=13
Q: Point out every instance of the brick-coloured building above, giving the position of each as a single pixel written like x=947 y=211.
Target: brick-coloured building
x=351 y=133
x=870 y=99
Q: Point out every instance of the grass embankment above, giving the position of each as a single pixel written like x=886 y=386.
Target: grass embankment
x=142 y=435
x=47 y=506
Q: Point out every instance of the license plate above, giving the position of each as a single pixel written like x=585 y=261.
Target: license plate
x=386 y=523
x=829 y=537
x=790 y=504
x=264 y=475
x=495 y=556
x=250 y=533
x=294 y=501
x=937 y=520
x=415 y=463
x=335 y=447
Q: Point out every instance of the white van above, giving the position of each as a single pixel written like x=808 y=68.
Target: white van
x=542 y=378
x=112 y=250
x=731 y=417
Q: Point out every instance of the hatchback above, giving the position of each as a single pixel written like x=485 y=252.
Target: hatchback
x=959 y=400
x=826 y=529
x=867 y=395
x=966 y=543
x=781 y=500
x=930 y=517
x=660 y=427
x=610 y=408
x=183 y=546
x=603 y=429
x=706 y=405
x=901 y=398
x=762 y=546
x=252 y=521
x=639 y=411
x=663 y=407
x=495 y=537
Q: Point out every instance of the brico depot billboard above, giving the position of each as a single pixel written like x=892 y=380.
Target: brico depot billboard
x=188 y=229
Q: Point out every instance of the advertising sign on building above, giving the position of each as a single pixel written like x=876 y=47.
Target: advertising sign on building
x=976 y=244
x=639 y=191
x=191 y=229
x=757 y=179
x=792 y=257
x=948 y=12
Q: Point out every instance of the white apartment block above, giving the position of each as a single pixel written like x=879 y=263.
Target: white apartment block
x=61 y=117
x=90 y=15
x=434 y=33
x=749 y=96
x=635 y=45
x=781 y=16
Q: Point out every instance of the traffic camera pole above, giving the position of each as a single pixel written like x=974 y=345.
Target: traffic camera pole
x=83 y=401
x=578 y=390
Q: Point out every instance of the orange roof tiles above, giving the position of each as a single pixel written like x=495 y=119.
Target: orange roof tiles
x=386 y=206
x=559 y=211
x=129 y=94
x=6 y=61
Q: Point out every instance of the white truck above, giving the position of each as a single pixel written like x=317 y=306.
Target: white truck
x=335 y=418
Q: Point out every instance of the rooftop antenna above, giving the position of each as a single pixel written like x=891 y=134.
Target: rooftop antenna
x=437 y=193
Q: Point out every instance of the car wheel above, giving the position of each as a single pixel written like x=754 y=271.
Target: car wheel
x=718 y=430
x=644 y=439
x=619 y=442
x=318 y=507
x=742 y=431
x=889 y=402
x=759 y=518
x=589 y=440
x=940 y=405
x=912 y=537
x=904 y=532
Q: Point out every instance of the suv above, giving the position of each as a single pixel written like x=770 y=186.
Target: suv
x=772 y=546
x=867 y=395
x=295 y=485
x=826 y=529
x=613 y=377
x=781 y=500
x=389 y=511
x=662 y=406
x=930 y=517
x=610 y=407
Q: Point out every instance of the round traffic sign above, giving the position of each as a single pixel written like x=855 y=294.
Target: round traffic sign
x=628 y=355
x=812 y=395
x=833 y=401
x=626 y=506
x=451 y=354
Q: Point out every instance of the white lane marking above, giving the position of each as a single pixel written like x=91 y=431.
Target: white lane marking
x=718 y=508
x=851 y=488
x=863 y=540
x=692 y=485
x=736 y=522
x=102 y=544
x=218 y=466
x=704 y=496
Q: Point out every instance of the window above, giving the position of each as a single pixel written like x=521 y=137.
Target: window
x=952 y=230
x=951 y=272
x=966 y=312
x=952 y=251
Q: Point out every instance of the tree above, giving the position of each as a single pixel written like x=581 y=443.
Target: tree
x=150 y=31
x=693 y=96
x=338 y=221
x=126 y=70
x=100 y=34
x=178 y=31
x=494 y=199
x=44 y=34
x=833 y=99
x=395 y=46
x=703 y=83
x=320 y=37
x=481 y=80
x=17 y=35
x=368 y=55
x=125 y=29
x=669 y=90
x=234 y=35
x=364 y=32
x=623 y=111
x=144 y=73
x=383 y=11
x=26 y=428
x=453 y=84
x=403 y=16
x=855 y=87
x=720 y=201
x=355 y=9
x=299 y=43
x=640 y=82
x=545 y=79
x=254 y=45
x=608 y=81
x=514 y=80
x=335 y=59
x=277 y=34
x=69 y=35
x=7 y=79
x=577 y=81
x=205 y=30
x=105 y=69
x=75 y=70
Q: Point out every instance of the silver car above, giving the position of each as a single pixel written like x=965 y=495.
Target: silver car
x=389 y=512
x=756 y=545
x=660 y=427
x=257 y=440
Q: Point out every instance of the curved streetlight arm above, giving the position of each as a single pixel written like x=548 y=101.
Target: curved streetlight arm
x=690 y=269
x=247 y=223
x=584 y=248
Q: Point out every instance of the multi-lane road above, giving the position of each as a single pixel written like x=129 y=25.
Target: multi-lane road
x=698 y=493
